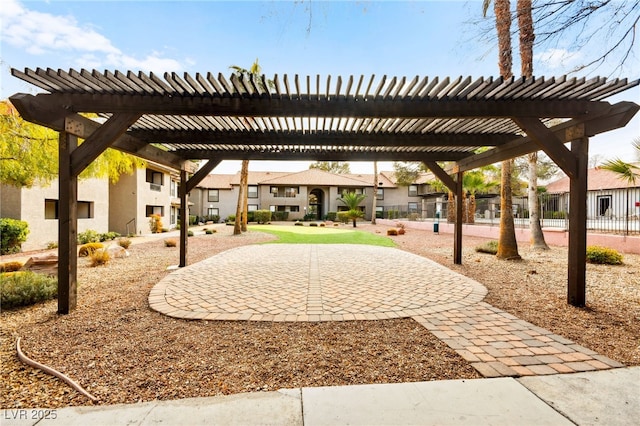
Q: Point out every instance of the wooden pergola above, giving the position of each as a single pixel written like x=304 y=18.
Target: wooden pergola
x=174 y=119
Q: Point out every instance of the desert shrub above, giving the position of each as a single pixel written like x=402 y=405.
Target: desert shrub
x=192 y=219
x=189 y=233
x=262 y=216
x=213 y=218
x=26 y=288
x=313 y=224
x=490 y=247
x=322 y=224
x=99 y=257
x=298 y=223
x=603 y=255
x=88 y=236
x=170 y=242
x=231 y=218
x=332 y=216
x=10 y=266
x=89 y=248
x=210 y=231
x=124 y=243
x=393 y=214
x=392 y=231
x=108 y=236
x=279 y=216
x=401 y=230
x=343 y=217
x=13 y=233
x=52 y=245
x=413 y=216
x=155 y=223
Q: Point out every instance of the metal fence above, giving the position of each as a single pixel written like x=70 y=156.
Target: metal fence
x=608 y=211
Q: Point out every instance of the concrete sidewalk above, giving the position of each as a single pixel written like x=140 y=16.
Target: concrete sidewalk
x=610 y=397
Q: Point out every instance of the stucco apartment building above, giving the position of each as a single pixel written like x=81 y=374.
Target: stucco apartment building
x=311 y=192
x=125 y=206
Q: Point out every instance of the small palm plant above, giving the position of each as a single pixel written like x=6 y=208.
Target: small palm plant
x=626 y=171
x=352 y=201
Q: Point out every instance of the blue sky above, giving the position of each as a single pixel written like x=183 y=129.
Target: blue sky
x=396 y=38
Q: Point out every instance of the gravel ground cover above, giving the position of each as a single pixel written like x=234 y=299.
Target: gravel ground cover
x=122 y=352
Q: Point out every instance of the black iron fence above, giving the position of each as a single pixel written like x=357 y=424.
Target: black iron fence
x=608 y=211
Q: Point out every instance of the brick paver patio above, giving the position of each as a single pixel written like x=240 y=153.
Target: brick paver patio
x=282 y=282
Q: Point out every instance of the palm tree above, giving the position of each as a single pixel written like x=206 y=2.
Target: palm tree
x=626 y=171
x=352 y=201
x=375 y=193
x=507 y=244
x=473 y=183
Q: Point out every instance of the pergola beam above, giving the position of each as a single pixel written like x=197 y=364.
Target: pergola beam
x=357 y=107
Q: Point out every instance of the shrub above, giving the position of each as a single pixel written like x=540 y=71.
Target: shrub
x=313 y=224
x=88 y=236
x=262 y=216
x=413 y=216
x=490 y=247
x=210 y=231
x=298 y=223
x=108 y=236
x=89 y=249
x=401 y=230
x=322 y=224
x=231 y=218
x=12 y=234
x=10 y=266
x=26 y=288
x=192 y=219
x=343 y=217
x=603 y=256
x=99 y=257
x=189 y=233
x=124 y=243
x=332 y=216
x=170 y=242
x=155 y=223
x=279 y=216
x=52 y=245
x=392 y=231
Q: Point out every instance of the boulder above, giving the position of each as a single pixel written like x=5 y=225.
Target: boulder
x=46 y=264
x=116 y=251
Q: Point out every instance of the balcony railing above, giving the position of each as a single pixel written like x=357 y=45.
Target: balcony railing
x=155 y=187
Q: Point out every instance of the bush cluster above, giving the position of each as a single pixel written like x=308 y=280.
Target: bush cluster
x=26 y=288
x=603 y=255
x=89 y=248
x=88 y=236
x=124 y=243
x=262 y=216
x=170 y=242
x=99 y=257
x=13 y=233
x=10 y=266
x=490 y=247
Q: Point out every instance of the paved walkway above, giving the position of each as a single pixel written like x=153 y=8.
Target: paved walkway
x=281 y=282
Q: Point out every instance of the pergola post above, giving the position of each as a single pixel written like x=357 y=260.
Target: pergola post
x=576 y=288
x=184 y=218
x=457 y=232
x=67 y=225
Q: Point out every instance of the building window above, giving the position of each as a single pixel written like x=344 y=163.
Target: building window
x=173 y=189
x=155 y=179
x=379 y=212
x=85 y=209
x=380 y=194
x=213 y=195
x=213 y=212
x=294 y=209
x=252 y=191
x=604 y=205
x=413 y=207
x=286 y=191
x=252 y=207
x=154 y=210
x=350 y=190
x=413 y=190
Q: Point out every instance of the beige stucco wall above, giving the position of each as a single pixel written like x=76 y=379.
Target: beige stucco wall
x=10 y=200
x=42 y=231
x=123 y=203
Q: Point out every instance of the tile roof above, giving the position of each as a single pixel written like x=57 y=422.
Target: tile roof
x=315 y=177
x=597 y=179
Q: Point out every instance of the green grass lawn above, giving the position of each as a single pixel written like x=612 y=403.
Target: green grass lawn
x=321 y=235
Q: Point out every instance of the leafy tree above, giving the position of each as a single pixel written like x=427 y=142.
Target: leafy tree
x=340 y=167
x=407 y=173
x=352 y=201
x=29 y=154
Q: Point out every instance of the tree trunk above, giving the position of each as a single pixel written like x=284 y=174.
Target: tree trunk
x=507 y=244
x=237 y=226
x=502 y=9
x=244 y=182
x=451 y=208
x=375 y=193
x=527 y=37
x=472 y=208
x=537 y=236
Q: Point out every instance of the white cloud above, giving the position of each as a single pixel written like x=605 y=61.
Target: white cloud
x=39 y=33
x=558 y=59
